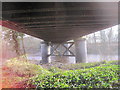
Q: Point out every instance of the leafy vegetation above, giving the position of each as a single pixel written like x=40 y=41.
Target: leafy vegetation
x=85 y=65
x=24 y=69
x=55 y=69
x=90 y=75
x=97 y=77
x=15 y=71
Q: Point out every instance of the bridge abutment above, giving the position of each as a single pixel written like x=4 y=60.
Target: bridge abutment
x=80 y=50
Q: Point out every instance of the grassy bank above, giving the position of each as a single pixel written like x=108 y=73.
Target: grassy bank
x=22 y=74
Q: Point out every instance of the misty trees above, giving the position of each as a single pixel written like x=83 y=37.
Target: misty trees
x=103 y=43
x=13 y=37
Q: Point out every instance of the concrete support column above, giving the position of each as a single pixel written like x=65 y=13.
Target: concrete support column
x=44 y=52
x=80 y=50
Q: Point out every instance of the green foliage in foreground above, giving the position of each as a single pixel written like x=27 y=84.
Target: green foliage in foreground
x=87 y=75
x=24 y=68
x=96 y=77
x=86 y=65
x=55 y=69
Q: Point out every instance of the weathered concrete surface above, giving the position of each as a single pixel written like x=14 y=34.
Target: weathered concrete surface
x=80 y=50
x=44 y=52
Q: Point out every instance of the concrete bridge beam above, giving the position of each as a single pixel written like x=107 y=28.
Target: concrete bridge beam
x=80 y=50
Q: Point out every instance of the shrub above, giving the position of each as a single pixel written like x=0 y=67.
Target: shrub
x=87 y=65
x=55 y=69
x=16 y=73
x=97 y=77
x=23 y=68
x=88 y=75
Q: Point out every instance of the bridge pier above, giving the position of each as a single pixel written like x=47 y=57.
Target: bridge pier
x=44 y=52
x=57 y=52
x=62 y=51
x=80 y=50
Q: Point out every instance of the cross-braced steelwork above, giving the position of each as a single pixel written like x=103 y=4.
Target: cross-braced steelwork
x=61 y=49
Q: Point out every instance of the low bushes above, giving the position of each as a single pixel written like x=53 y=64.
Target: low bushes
x=97 y=77
x=22 y=74
x=19 y=71
x=54 y=69
x=87 y=65
x=23 y=68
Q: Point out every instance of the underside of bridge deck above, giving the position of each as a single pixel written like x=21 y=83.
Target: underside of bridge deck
x=59 y=21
